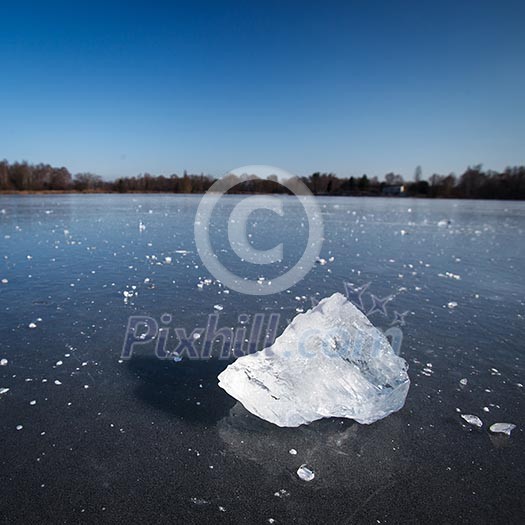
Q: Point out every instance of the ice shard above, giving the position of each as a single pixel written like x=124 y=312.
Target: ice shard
x=502 y=428
x=329 y=362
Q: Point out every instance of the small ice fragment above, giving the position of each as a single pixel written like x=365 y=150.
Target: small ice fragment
x=3 y=391
x=32 y=325
x=452 y=304
x=3 y=362
x=199 y=501
x=305 y=473
x=502 y=428
x=293 y=452
x=19 y=427
x=57 y=382
x=472 y=420
x=167 y=260
x=59 y=363
x=32 y=403
x=443 y=223
x=4 y=281
x=486 y=409
x=142 y=226
x=464 y=381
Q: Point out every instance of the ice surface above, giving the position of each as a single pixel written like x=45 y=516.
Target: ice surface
x=472 y=420
x=502 y=428
x=329 y=362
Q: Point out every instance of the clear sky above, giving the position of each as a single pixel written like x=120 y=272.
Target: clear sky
x=349 y=87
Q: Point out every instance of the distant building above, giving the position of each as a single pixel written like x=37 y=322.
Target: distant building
x=394 y=190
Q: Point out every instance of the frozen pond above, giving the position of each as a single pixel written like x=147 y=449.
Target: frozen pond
x=89 y=437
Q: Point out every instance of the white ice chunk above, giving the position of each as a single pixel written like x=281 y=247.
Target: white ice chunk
x=472 y=420
x=502 y=428
x=305 y=473
x=329 y=362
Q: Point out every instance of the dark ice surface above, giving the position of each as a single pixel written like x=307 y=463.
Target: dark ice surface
x=146 y=440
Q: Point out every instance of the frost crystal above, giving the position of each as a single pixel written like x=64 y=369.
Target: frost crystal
x=329 y=362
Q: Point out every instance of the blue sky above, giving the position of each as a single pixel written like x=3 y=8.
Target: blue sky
x=349 y=87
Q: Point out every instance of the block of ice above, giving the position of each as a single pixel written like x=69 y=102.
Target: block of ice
x=502 y=428
x=472 y=420
x=329 y=362
x=305 y=473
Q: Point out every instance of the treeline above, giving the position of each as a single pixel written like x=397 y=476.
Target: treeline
x=474 y=183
